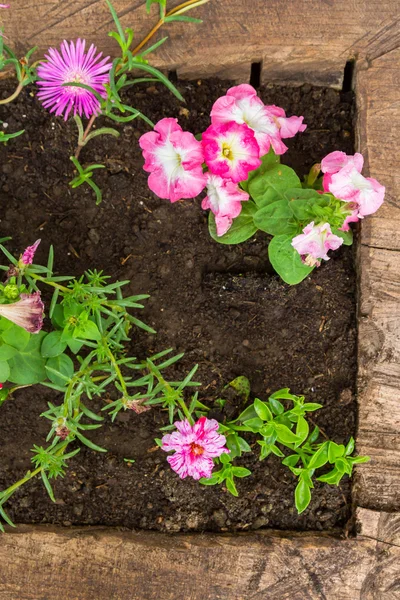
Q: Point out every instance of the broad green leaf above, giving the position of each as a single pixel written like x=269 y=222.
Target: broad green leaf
x=7 y=352
x=27 y=366
x=4 y=371
x=17 y=337
x=291 y=461
x=262 y=410
x=302 y=496
x=333 y=477
x=271 y=186
x=64 y=365
x=277 y=407
x=267 y=162
x=213 y=480
x=248 y=413
x=52 y=345
x=277 y=219
x=88 y=331
x=242 y=228
x=286 y=260
x=350 y=447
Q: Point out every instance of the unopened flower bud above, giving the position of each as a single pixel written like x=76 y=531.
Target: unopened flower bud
x=137 y=406
x=62 y=432
x=11 y=291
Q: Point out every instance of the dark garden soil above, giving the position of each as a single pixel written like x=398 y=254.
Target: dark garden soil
x=223 y=306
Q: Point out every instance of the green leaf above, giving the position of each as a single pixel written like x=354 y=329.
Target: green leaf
x=240 y=472
x=231 y=487
x=320 y=458
x=286 y=260
x=62 y=364
x=350 y=447
x=248 y=413
x=335 y=451
x=4 y=371
x=17 y=337
x=242 y=385
x=52 y=345
x=302 y=429
x=262 y=410
x=268 y=161
x=311 y=406
x=242 y=228
x=291 y=461
x=302 y=496
x=347 y=236
x=89 y=444
x=254 y=424
x=244 y=446
x=333 y=477
x=27 y=367
x=271 y=186
x=277 y=407
x=7 y=352
x=285 y=435
x=277 y=219
x=213 y=480
x=88 y=331
x=302 y=202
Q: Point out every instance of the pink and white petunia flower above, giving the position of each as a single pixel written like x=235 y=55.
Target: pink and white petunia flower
x=314 y=243
x=350 y=186
x=269 y=123
x=195 y=447
x=231 y=150
x=351 y=217
x=333 y=162
x=224 y=198
x=27 y=312
x=174 y=159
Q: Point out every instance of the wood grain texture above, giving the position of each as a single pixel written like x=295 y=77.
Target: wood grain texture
x=378 y=133
x=378 y=129
x=309 y=40
x=82 y=564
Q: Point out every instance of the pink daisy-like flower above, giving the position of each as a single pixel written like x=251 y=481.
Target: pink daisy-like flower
x=73 y=65
x=27 y=312
x=269 y=123
x=29 y=253
x=224 y=198
x=231 y=150
x=174 y=159
x=195 y=447
x=314 y=243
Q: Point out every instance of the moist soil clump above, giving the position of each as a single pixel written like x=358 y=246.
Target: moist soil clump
x=221 y=305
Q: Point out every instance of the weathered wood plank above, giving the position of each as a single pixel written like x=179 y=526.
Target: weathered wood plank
x=378 y=132
x=309 y=40
x=81 y=564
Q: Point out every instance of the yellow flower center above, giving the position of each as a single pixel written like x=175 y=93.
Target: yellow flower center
x=196 y=449
x=227 y=151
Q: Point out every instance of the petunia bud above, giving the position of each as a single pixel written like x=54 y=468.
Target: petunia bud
x=29 y=253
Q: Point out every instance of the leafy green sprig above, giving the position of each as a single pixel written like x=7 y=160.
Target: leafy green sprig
x=131 y=59
x=284 y=432
x=82 y=357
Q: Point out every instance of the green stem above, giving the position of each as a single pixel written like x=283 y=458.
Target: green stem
x=82 y=141
x=51 y=283
x=17 y=92
x=118 y=372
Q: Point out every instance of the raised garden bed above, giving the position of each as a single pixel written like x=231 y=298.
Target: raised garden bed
x=85 y=563
x=222 y=305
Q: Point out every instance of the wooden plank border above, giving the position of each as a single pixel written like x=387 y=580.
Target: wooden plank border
x=308 y=43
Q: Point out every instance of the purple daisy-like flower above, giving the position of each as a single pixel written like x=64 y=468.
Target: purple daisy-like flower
x=72 y=64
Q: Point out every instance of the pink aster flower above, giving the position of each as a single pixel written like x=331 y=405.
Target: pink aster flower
x=27 y=312
x=269 y=123
x=314 y=243
x=231 y=150
x=29 y=253
x=224 y=198
x=73 y=64
x=174 y=159
x=350 y=186
x=195 y=447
